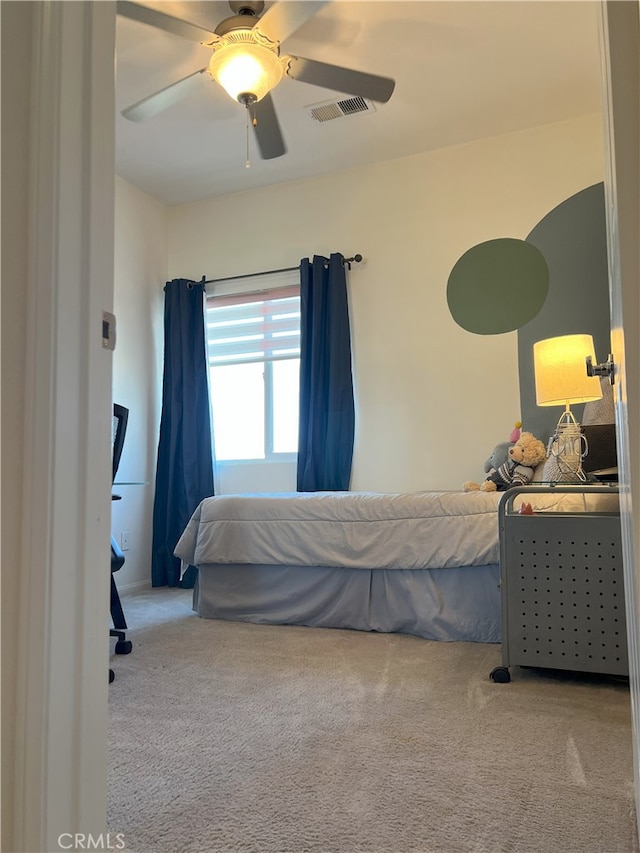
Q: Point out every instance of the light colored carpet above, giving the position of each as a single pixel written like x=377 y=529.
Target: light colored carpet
x=240 y=738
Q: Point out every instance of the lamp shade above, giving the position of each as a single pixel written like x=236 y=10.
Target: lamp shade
x=560 y=371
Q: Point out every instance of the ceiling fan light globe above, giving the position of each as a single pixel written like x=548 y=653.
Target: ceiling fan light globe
x=246 y=70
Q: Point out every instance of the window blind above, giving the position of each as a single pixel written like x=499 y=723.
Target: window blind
x=249 y=327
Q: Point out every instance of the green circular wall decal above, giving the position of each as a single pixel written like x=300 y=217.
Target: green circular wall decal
x=498 y=286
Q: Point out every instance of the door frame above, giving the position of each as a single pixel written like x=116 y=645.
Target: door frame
x=620 y=44
x=62 y=645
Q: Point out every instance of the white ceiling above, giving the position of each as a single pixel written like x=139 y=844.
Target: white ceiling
x=463 y=71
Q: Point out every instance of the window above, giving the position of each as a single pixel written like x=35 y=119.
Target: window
x=254 y=362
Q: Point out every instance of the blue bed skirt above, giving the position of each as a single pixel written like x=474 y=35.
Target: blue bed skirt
x=457 y=604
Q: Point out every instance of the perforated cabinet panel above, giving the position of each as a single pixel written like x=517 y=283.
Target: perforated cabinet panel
x=563 y=592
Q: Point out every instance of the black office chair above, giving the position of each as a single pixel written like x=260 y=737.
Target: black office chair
x=123 y=646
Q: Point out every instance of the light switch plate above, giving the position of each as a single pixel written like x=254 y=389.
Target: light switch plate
x=108 y=330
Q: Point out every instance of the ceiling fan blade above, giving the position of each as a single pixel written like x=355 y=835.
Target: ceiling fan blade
x=340 y=79
x=267 y=129
x=168 y=23
x=282 y=19
x=159 y=101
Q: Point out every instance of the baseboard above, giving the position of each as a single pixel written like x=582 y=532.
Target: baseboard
x=134 y=586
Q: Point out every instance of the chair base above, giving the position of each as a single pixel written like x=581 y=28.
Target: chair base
x=123 y=646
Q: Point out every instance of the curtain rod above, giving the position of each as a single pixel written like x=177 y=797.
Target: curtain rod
x=348 y=261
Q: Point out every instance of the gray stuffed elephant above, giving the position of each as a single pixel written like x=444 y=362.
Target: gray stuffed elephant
x=499 y=456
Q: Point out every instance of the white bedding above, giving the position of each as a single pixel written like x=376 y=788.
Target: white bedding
x=346 y=529
x=435 y=530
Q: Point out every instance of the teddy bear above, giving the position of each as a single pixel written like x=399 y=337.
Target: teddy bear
x=522 y=458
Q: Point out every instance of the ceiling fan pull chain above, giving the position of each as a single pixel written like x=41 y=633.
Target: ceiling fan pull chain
x=247 y=164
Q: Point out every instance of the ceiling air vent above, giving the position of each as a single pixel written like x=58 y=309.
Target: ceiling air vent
x=341 y=109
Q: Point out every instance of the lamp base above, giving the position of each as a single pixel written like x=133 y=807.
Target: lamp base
x=567 y=447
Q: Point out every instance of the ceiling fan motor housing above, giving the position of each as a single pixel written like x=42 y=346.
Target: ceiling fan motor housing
x=236 y=22
x=246 y=7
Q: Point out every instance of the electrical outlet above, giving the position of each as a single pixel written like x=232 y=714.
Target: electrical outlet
x=124 y=540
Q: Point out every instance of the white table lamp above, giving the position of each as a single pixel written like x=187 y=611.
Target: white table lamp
x=561 y=379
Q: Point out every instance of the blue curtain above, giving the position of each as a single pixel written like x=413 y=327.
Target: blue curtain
x=327 y=414
x=184 y=472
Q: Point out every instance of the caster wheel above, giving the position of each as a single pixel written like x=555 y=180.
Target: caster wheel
x=123 y=647
x=111 y=676
x=500 y=675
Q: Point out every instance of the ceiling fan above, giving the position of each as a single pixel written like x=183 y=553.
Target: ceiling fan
x=247 y=63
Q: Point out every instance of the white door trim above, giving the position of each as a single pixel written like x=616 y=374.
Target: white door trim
x=620 y=38
x=63 y=645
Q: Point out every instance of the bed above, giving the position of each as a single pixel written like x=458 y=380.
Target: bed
x=425 y=563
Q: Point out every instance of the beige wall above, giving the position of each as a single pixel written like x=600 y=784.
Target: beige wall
x=432 y=399
x=140 y=273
